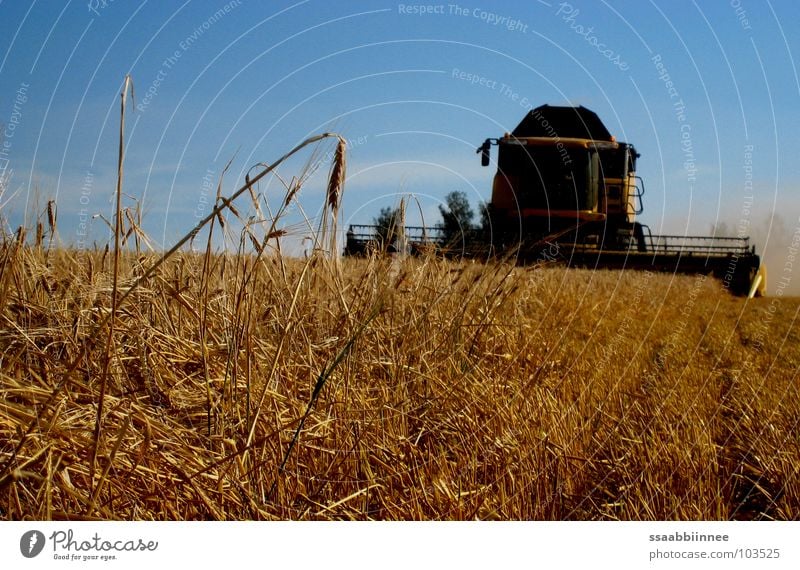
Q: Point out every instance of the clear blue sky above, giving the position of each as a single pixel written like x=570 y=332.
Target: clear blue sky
x=414 y=92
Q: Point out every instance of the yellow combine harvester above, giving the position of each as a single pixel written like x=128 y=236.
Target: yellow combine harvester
x=566 y=190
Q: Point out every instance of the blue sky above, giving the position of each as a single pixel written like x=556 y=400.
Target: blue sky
x=414 y=87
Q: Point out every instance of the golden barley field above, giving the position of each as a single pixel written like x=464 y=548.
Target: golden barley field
x=242 y=383
x=244 y=386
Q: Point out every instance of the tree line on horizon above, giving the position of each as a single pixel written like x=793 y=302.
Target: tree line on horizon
x=457 y=220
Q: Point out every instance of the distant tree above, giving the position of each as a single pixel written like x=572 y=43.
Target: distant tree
x=387 y=225
x=491 y=230
x=457 y=216
x=720 y=229
x=485 y=209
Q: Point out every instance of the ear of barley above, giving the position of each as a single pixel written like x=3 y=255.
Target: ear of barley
x=51 y=216
x=337 y=176
x=336 y=179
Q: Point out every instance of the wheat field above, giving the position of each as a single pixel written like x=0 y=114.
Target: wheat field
x=243 y=386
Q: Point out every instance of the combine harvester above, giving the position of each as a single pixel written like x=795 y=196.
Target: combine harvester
x=566 y=190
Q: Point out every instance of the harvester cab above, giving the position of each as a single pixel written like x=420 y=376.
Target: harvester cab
x=561 y=170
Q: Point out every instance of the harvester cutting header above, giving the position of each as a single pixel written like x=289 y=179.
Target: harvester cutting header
x=566 y=190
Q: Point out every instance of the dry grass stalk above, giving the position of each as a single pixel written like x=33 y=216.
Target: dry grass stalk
x=204 y=280
x=110 y=352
